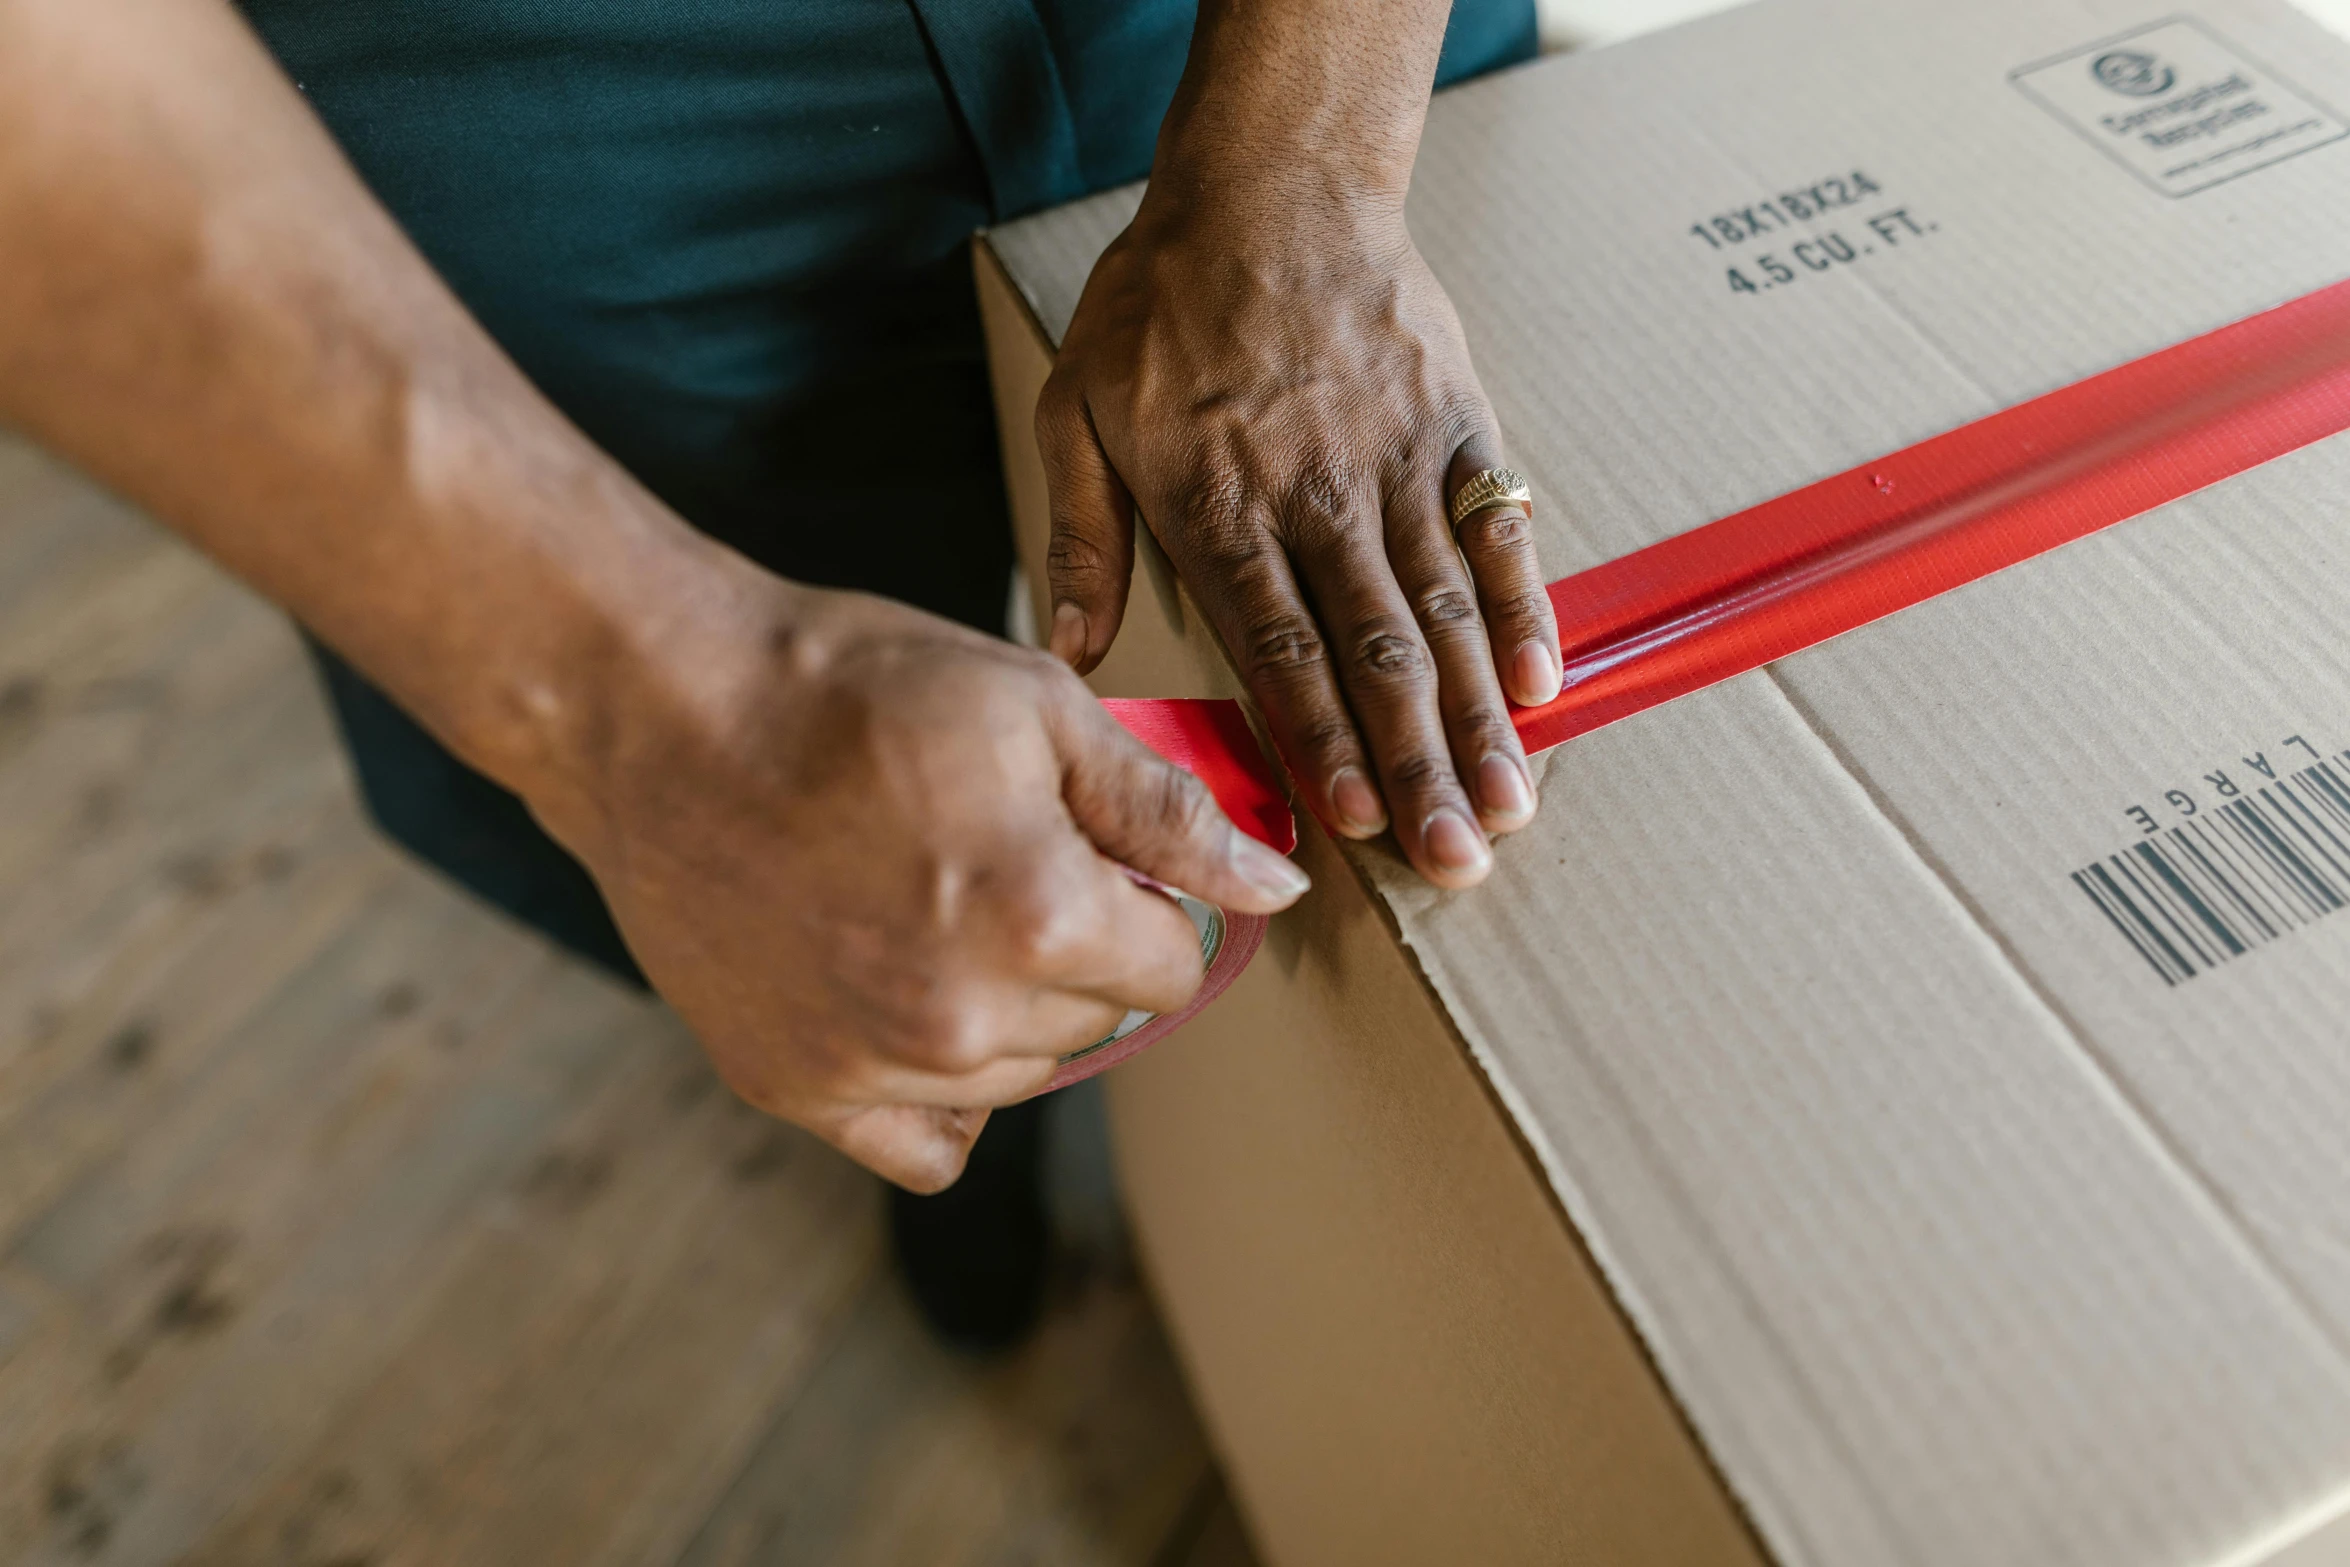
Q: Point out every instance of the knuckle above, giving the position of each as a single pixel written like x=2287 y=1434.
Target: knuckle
x=953 y=1040
x=963 y=1055
x=1074 y=555
x=1330 y=738
x=1181 y=803
x=1466 y=415
x=1446 y=608
x=1527 y=607
x=1390 y=655
x=1497 y=529
x=1284 y=646
x=1045 y=683
x=1319 y=497
x=1422 y=772
x=1230 y=553
x=1213 y=498
x=1035 y=926
x=1482 y=730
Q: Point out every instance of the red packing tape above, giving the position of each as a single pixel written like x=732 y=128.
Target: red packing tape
x=1817 y=562
x=1812 y=564
x=1211 y=740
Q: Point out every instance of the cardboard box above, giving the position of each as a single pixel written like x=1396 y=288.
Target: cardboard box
x=1783 y=1158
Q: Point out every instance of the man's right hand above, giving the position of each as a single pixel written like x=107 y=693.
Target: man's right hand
x=873 y=859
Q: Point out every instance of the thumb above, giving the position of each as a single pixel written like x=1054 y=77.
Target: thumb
x=1091 y=558
x=1145 y=812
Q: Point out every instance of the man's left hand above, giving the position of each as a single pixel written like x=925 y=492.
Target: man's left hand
x=1285 y=391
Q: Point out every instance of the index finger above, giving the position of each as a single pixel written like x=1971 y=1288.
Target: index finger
x=1245 y=583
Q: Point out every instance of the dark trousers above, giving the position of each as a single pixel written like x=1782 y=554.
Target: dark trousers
x=728 y=239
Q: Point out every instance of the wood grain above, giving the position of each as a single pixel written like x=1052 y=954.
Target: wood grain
x=345 y=1224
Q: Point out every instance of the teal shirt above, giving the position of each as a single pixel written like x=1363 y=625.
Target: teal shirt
x=727 y=238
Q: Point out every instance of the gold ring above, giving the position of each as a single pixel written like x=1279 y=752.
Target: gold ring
x=1489 y=488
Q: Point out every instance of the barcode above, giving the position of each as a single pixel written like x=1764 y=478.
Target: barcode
x=2233 y=876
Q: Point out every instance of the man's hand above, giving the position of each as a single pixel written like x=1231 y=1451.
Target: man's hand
x=1264 y=364
x=873 y=860
x=870 y=858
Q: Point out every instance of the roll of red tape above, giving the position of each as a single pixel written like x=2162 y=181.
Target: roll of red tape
x=1210 y=740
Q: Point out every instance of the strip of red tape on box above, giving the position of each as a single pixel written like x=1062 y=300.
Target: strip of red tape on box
x=1817 y=562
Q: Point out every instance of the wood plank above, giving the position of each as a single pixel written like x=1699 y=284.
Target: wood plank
x=276 y=1356
x=110 y=1047
x=1078 y=1450
x=345 y=1224
x=618 y=1323
x=133 y=780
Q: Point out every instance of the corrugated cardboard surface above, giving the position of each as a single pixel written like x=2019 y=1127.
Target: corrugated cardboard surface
x=1402 y=1349
x=1960 y=1236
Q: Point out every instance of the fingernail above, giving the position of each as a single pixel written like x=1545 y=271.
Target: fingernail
x=1536 y=675
x=1068 y=638
x=1455 y=845
x=1274 y=875
x=1501 y=789
x=1356 y=802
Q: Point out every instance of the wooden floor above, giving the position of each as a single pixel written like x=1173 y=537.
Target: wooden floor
x=342 y=1224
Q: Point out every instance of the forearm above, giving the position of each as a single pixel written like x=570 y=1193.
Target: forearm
x=1309 y=102
x=200 y=304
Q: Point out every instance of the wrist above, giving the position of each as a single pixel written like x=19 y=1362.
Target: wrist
x=1258 y=204
x=669 y=650
x=1275 y=218
x=1315 y=107
x=575 y=656
x=1311 y=170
